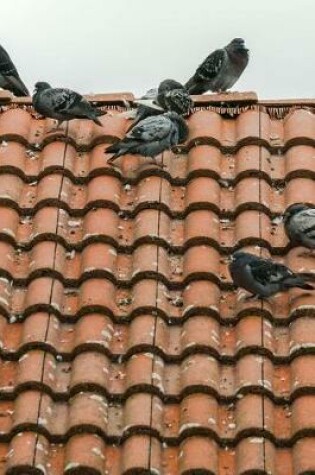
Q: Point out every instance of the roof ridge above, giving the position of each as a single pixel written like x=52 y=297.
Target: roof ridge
x=128 y=98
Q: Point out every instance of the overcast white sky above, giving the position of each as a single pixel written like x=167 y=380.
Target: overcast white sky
x=131 y=45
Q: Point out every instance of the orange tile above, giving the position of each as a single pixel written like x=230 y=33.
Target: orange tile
x=123 y=347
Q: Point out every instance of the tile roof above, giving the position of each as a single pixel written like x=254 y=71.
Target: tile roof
x=124 y=348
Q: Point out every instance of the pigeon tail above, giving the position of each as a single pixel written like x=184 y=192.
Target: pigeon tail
x=17 y=86
x=308 y=276
x=299 y=282
x=22 y=91
x=98 y=122
x=97 y=113
x=115 y=149
x=121 y=148
x=305 y=286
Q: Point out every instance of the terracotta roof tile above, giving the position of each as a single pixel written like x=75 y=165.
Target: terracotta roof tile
x=123 y=347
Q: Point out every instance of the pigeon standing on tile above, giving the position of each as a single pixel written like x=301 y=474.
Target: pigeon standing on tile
x=264 y=277
x=151 y=136
x=9 y=77
x=63 y=104
x=299 y=224
x=170 y=96
x=221 y=69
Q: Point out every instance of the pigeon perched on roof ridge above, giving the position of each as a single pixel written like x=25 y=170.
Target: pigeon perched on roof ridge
x=173 y=96
x=63 y=104
x=221 y=69
x=299 y=224
x=264 y=277
x=9 y=77
x=151 y=136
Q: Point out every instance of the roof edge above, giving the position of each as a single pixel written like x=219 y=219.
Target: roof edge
x=126 y=99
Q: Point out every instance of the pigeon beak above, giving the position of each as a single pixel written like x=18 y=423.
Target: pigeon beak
x=242 y=46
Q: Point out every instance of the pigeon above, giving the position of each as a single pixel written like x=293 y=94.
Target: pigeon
x=170 y=96
x=264 y=277
x=63 y=104
x=151 y=136
x=299 y=224
x=221 y=69
x=9 y=77
x=173 y=96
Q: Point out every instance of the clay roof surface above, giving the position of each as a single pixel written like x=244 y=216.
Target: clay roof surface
x=124 y=347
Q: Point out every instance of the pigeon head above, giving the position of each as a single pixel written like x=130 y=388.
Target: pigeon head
x=169 y=85
x=41 y=86
x=181 y=125
x=237 y=45
x=178 y=101
x=294 y=209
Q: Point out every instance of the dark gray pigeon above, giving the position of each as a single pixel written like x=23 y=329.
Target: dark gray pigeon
x=63 y=104
x=264 y=277
x=299 y=224
x=151 y=136
x=221 y=69
x=170 y=96
x=173 y=96
x=9 y=77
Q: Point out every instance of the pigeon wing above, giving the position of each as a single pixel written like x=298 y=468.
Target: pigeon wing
x=63 y=100
x=179 y=101
x=141 y=113
x=305 y=221
x=211 y=66
x=151 y=129
x=267 y=272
